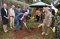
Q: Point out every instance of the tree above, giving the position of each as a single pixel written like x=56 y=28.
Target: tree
x=27 y=1
x=47 y=1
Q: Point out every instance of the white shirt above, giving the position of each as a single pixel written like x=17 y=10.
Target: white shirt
x=11 y=12
x=5 y=10
x=26 y=13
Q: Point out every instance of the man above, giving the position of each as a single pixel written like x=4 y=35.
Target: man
x=38 y=14
x=20 y=18
x=46 y=21
x=4 y=15
x=19 y=21
x=57 y=24
x=53 y=18
x=12 y=16
x=18 y=9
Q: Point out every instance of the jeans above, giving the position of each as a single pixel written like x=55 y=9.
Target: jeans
x=19 y=24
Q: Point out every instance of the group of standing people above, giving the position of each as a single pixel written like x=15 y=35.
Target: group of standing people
x=7 y=14
x=10 y=14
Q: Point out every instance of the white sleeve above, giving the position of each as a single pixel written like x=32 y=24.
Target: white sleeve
x=28 y=11
x=14 y=13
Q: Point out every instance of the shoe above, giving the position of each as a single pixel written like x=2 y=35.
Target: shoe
x=6 y=31
x=21 y=29
x=43 y=33
x=15 y=30
x=29 y=31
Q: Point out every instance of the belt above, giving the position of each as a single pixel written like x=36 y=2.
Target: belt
x=11 y=16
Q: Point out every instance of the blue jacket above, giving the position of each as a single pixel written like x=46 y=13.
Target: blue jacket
x=19 y=16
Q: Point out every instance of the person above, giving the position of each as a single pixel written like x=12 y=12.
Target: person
x=53 y=18
x=29 y=12
x=19 y=21
x=57 y=24
x=18 y=10
x=38 y=15
x=47 y=21
x=12 y=16
x=4 y=15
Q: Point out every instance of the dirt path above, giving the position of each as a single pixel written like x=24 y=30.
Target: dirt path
x=25 y=34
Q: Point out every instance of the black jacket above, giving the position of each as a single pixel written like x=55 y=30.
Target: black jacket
x=3 y=13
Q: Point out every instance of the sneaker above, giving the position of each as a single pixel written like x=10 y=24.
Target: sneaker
x=6 y=31
x=15 y=30
x=43 y=33
x=21 y=29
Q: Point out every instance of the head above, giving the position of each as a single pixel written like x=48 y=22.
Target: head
x=18 y=6
x=5 y=5
x=46 y=9
x=13 y=6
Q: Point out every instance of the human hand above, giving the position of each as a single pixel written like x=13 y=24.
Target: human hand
x=48 y=25
x=21 y=19
x=7 y=17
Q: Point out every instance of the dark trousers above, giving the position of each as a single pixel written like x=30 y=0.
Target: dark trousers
x=53 y=22
x=37 y=17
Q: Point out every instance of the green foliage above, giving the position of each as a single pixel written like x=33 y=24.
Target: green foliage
x=57 y=21
x=47 y=1
x=27 y=1
x=32 y=24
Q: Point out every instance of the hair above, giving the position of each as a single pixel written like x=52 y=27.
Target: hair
x=4 y=3
x=37 y=8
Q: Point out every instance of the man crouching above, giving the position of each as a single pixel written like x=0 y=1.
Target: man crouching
x=46 y=21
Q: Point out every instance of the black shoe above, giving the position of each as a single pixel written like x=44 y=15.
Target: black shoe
x=29 y=31
x=15 y=30
x=21 y=29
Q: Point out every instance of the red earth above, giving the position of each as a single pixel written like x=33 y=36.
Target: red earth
x=25 y=34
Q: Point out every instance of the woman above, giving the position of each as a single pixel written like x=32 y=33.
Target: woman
x=12 y=16
x=4 y=15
